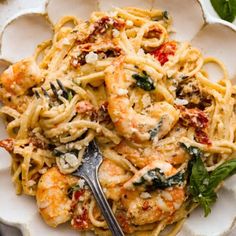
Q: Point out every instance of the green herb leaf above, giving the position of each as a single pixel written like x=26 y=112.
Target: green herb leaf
x=206 y=201
x=199 y=180
x=233 y=6
x=144 y=81
x=202 y=183
x=222 y=172
x=199 y=176
x=226 y=9
x=70 y=96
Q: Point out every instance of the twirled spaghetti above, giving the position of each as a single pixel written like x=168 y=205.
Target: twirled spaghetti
x=119 y=78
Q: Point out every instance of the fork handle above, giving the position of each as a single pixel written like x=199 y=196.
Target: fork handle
x=104 y=206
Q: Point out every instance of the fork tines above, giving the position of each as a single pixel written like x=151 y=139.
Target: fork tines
x=64 y=91
x=36 y=93
x=45 y=92
x=54 y=89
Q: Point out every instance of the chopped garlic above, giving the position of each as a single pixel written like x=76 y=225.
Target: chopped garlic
x=91 y=57
x=179 y=101
x=145 y=195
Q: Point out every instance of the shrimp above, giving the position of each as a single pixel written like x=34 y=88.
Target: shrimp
x=162 y=116
x=112 y=177
x=145 y=207
x=53 y=203
x=171 y=152
x=17 y=79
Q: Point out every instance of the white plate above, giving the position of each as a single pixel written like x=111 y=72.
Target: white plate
x=194 y=20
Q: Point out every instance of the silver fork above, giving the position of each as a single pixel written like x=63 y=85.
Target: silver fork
x=89 y=172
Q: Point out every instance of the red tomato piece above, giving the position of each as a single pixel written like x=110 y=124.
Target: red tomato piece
x=164 y=51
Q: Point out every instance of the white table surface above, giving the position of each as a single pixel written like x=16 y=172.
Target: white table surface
x=9 y=8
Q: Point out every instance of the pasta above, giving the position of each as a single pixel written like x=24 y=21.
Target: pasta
x=147 y=100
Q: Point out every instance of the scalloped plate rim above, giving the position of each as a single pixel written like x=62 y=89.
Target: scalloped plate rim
x=22 y=14
x=208 y=20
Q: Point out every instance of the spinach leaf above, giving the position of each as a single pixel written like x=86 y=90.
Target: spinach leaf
x=165 y=15
x=57 y=152
x=153 y=132
x=203 y=183
x=156 y=179
x=144 y=81
x=226 y=9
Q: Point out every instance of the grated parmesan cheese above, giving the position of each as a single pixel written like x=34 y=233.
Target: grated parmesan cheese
x=129 y=23
x=146 y=100
x=31 y=183
x=167 y=196
x=81 y=183
x=141 y=52
x=113 y=13
x=65 y=41
x=172 y=88
x=145 y=195
x=170 y=73
x=121 y=91
x=182 y=102
x=71 y=159
x=91 y=57
x=115 y=33
x=43 y=171
x=176 y=205
x=162 y=205
x=165 y=167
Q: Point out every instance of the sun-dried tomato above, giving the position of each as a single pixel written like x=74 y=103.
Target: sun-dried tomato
x=81 y=222
x=193 y=117
x=164 y=51
x=79 y=194
x=8 y=144
x=196 y=119
x=202 y=137
x=103 y=25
